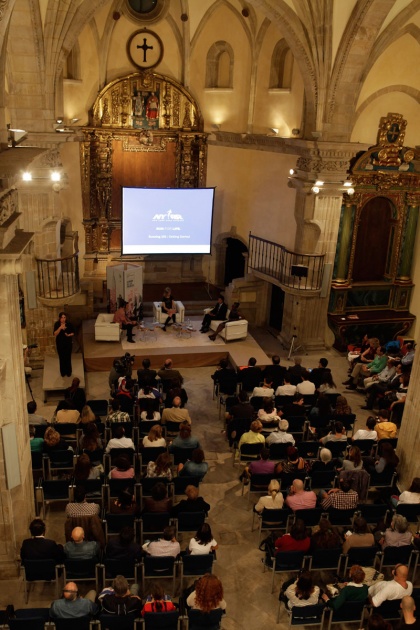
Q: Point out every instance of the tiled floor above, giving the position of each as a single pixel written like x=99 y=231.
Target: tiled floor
x=247 y=588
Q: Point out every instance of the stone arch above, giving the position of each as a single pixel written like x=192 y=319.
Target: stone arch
x=281 y=69
x=404 y=89
x=206 y=17
x=220 y=247
x=219 y=65
x=72 y=66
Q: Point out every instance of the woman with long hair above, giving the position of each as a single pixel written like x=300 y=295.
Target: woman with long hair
x=296 y=540
x=302 y=592
x=157 y=601
x=87 y=415
x=184 y=439
x=122 y=469
x=84 y=469
x=328 y=386
x=354 y=461
x=273 y=500
x=91 y=439
x=162 y=467
x=387 y=462
x=124 y=503
x=208 y=594
x=154 y=438
x=203 y=542
x=326 y=537
x=342 y=408
x=293 y=463
x=64 y=333
x=159 y=501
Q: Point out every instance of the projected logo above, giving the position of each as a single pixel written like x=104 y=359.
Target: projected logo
x=168 y=216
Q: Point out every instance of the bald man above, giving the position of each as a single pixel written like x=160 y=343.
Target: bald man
x=300 y=499
x=79 y=548
x=175 y=413
x=72 y=606
x=408 y=606
x=397 y=588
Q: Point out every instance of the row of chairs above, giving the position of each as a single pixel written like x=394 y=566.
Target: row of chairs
x=102 y=491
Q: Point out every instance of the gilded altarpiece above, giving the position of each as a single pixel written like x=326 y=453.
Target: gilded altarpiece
x=372 y=285
x=145 y=129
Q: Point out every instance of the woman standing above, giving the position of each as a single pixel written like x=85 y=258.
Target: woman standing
x=64 y=333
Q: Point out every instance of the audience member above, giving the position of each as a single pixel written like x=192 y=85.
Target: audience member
x=194 y=467
x=264 y=391
x=184 y=439
x=385 y=428
x=91 y=439
x=280 y=435
x=225 y=377
x=122 y=469
x=353 y=591
x=364 y=371
x=369 y=433
x=65 y=413
x=122 y=600
x=317 y=375
x=125 y=395
x=389 y=590
x=167 y=545
x=208 y=594
x=408 y=357
x=397 y=534
x=386 y=464
x=124 y=503
x=326 y=537
x=410 y=496
x=328 y=386
x=354 y=461
x=380 y=388
x=325 y=461
x=116 y=414
x=243 y=409
x=80 y=507
x=159 y=501
x=263 y=465
x=295 y=371
x=119 y=440
x=306 y=387
x=250 y=376
x=146 y=376
x=410 y=622
x=294 y=463
x=274 y=373
x=361 y=536
x=253 y=436
x=38 y=547
x=72 y=605
x=79 y=548
x=287 y=389
x=273 y=500
x=342 y=498
x=75 y=395
x=176 y=390
x=295 y=408
x=84 y=469
x=339 y=434
x=376 y=622
x=203 y=542
x=302 y=592
x=322 y=410
x=168 y=373
x=268 y=414
x=158 y=601
x=154 y=438
x=162 y=467
x=296 y=540
x=193 y=502
x=33 y=417
x=36 y=443
x=176 y=413
x=123 y=547
x=342 y=408
x=299 y=498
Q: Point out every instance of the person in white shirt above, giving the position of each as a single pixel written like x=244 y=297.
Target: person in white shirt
x=397 y=588
x=119 y=441
x=203 y=542
x=281 y=435
x=369 y=433
x=287 y=389
x=265 y=390
x=384 y=376
x=305 y=387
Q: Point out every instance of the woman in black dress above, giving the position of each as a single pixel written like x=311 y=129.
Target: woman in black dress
x=168 y=307
x=64 y=333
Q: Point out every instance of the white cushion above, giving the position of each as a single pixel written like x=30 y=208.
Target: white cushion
x=236 y=329
x=161 y=317
x=105 y=329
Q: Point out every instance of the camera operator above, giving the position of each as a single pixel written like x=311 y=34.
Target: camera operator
x=121 y=368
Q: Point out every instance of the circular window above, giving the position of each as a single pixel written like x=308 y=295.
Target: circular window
x=147 y=10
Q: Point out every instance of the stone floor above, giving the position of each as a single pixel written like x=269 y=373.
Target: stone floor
x=247 y=587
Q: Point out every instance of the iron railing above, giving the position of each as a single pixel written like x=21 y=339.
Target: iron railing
x=58 y=278
x=290 y=269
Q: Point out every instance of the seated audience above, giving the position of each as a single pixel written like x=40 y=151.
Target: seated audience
x=287 y=389
x=36 y=443
x=119 y=440
x=273 y=500
x=123 y=469
x=408 y=357
x=242 y=410
x=80 y=507
x=302 y=592
x=342 y=408
x=274 y=373
x=385 y=465
x=325 y=461
x=176 y=413
x=361 y=536
x=184 y=439
x=268 y=414
x=369 y=433
x=123 y=547
x=280 y=435
x=116 y=414
x=225 y=377
x=385 y=428
x=361 y=370
x=159 y=501
x=354 y=461
x=79 y=548
x=376 y=622
x=176 y=390
x=342 y=498
x=154 y=438
x=250 y=376
x=124 y=503
x=328 y=386
x=306 y=387
x=326 y=537
x=253 y=436
x=410 y=496
x=125 y=395
x=162 y=467
x=72 y=605
x=38 y=547
x=388 y=590
x=294 y=463
x=299 y=498
x=54 y=442
x=322 y=408
x=317 y=375
x=397 y=534
x=296 y=408
x=158 y=601
x=146 y=376
x=65 y=413
x=194 y=467
x=167 y=545
x=296 y=370
x=203 y=542
x=265 y=391
x=296 y=540
x=353 y=591
x=120 y=600
x=193 y=502
x=208 y=594
x=261 y=466
x=339 y=434
x=84 y=469
x=91 y=439
x=408 y=607
x=87 y=415
x=34 y=418
x=168 y=373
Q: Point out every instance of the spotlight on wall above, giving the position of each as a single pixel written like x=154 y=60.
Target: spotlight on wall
x=59 y=121
x=292 y=171
x=55 y=176
x=347 y=183
x=16 y=136
x=27 y=176
x=350 y=191
x=295 y=132
x=315 y=190
x=74 y=120
x=274 y=130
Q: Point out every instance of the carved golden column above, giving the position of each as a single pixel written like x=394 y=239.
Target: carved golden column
x=406 y=258
x=344 y=243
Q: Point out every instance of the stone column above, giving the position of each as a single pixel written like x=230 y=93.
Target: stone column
x=17 y=504
x=344 y=244
x=409 y=436
x=406 y=258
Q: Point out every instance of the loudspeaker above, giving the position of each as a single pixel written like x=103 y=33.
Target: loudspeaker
x=300 y=271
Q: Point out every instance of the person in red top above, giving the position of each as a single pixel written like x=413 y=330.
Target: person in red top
x=125 y=323
x=158 y=602
x=297 y=540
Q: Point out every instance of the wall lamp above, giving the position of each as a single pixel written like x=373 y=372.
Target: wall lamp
x=55 y=176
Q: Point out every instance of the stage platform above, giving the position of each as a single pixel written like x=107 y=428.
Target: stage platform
x=52 y=381
x=196 y=351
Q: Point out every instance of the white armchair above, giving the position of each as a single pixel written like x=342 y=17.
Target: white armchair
x=234 y=330
x=161 y=317
x=105 y=329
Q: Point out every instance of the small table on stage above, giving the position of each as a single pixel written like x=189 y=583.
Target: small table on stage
x=148 y=330
x=184 y=330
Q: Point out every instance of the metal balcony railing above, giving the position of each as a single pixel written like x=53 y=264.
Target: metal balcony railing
x=290 y=269
x=58 y=278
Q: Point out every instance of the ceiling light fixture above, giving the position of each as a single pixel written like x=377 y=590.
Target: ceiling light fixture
x=27 y=176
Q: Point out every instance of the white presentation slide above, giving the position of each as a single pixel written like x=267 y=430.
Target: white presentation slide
x=166 y=220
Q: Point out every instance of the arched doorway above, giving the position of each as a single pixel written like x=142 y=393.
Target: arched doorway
x=234 y=260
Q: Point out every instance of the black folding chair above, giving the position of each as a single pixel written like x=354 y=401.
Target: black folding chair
x=349 y=612
x=113 y=524
x=154 y=567
x=49 y=490
x=189 y=521
x=270 y=520
x=152 y=524
x=161 y=621
x=285 y=562
x=29 y=618
x=99 y=407
x=321 y=479
x=39 y=571
x=199 y=620
x=305 y=615
x=364 y=556
x=195 y=566
x=325 y=560
x=81 y=571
